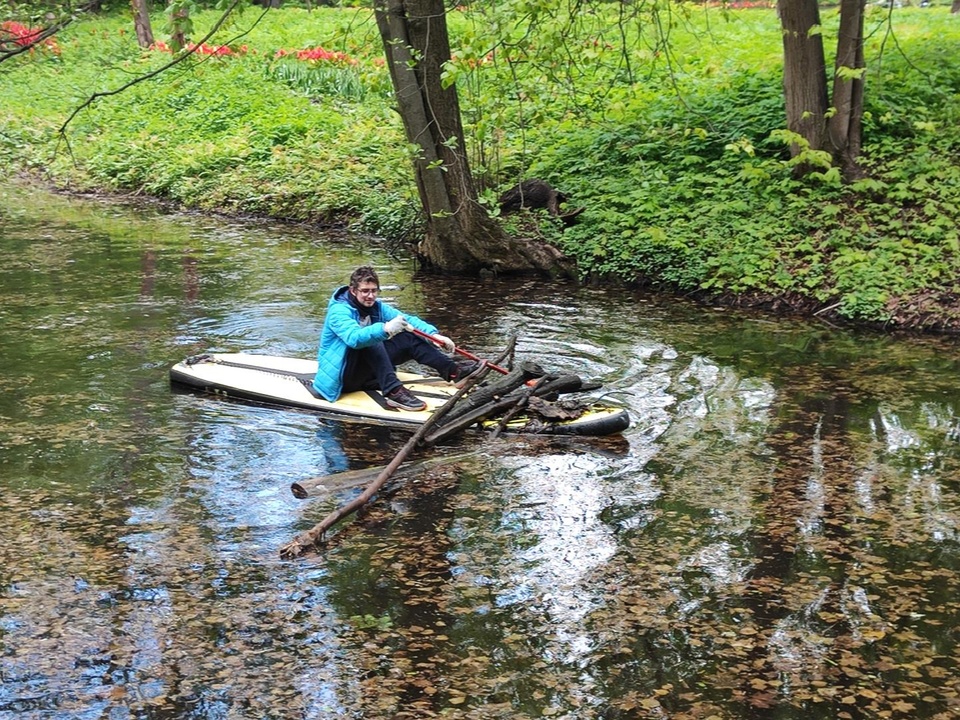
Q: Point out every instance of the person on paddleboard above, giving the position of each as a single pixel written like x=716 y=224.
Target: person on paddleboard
x=363 y=340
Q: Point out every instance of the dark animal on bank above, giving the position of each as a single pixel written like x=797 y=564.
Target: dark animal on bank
x=535 y=194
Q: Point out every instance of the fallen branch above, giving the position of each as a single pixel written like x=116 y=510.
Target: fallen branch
x=490 y=393
x=520 y=404
x=304 y=541
x=504 y=397
x=465 y=420
x=506 y=357
x=562 y=384
x=323 y=485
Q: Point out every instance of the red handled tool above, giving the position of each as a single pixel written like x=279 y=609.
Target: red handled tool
x=459 y=351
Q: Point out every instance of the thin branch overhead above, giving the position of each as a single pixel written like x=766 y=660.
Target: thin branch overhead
x=137 y=80
x=10 y=48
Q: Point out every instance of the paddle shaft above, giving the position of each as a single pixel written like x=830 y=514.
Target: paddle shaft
x=460 y=351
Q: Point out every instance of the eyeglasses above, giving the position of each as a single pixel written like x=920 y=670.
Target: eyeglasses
x=368 y=291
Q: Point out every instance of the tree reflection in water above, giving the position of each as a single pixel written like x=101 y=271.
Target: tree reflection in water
x=776 y=536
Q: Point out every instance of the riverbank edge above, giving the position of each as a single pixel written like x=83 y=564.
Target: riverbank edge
x=726 y=227
x=939 y=314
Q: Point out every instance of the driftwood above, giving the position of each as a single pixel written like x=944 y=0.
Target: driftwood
x=559 y=385
x=465 y=420
x=522 y=400
x=511 y=394
x=485 y=395
x=304 y=541
x=507 y=397
x=323 y=485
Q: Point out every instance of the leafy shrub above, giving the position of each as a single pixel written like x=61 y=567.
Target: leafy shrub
x=683 y=167
x=320 y=80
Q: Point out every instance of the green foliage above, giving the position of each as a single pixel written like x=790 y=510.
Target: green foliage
x=338 y=83
x=678 y=153
x=179 y=21
x=243 y=133
x=696 y=191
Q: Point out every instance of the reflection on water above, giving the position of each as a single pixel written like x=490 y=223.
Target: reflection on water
x=776 y=535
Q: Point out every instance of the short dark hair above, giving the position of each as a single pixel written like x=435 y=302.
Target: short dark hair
x=364 y=273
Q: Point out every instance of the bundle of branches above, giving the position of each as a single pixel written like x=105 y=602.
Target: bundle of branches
x=527 y=389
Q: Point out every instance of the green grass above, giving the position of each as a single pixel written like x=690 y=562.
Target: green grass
x=234 y=133
x=675 y=153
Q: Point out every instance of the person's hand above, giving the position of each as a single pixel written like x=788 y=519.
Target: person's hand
x=396 y=325
x=445 y=342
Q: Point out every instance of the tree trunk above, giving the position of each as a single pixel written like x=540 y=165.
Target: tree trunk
x=460 y=236
x=844 y=128
x=805 y=87
x=804 y=71
x=955 y=8
x=179 y=19
x=141 y=22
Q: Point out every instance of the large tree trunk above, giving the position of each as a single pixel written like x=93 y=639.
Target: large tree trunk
x=804 y=71
x=835 y=129
x=844 y=128
x=141 y=22
x=460 y=236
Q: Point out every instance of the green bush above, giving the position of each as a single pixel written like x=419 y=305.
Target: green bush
x=683 y=167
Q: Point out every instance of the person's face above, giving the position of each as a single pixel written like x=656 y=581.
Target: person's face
x=366 y=293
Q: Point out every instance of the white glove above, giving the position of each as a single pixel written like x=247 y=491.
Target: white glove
x=396 y=325
x=445 y=342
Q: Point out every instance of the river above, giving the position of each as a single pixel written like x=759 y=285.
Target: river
x=775 y=536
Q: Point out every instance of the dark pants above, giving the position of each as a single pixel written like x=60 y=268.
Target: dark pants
x=374 y=367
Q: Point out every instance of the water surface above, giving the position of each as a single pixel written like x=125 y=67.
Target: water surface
x=775 y=536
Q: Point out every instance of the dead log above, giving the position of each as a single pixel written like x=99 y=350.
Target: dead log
x=323 y=485
x=465 y=420
x=304 y=541
x=508 y=396
x=489 y=393
x=520 y=404
x=559 y=385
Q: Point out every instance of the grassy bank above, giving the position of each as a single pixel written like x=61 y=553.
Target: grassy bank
x=676 y=157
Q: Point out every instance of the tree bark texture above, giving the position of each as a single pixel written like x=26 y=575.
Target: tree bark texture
x=460 y=236
x=844 y=128
x=835 y=128
x=141 y=22
x=804 y=71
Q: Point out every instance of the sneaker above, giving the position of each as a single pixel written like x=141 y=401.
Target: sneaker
x=466 y=369
x=403 y=399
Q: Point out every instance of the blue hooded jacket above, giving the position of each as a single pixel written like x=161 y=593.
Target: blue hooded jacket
x=342 y=332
